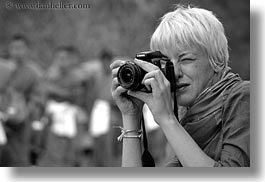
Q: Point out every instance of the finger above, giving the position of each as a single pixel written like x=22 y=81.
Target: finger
x=152 y=82
x=114 y=72
x=115 y=84
x=157 y=90
x=139 y=95
x=163 y=82
x=118 y=91
x=116 y=63
x=148 y=87
x=148 y=67
x=157 y=74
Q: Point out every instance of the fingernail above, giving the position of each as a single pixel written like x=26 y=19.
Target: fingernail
x=122 y=63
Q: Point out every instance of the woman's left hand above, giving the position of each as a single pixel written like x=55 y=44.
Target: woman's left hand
x=159 y=101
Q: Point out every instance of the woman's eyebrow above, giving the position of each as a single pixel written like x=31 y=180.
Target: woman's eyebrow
x=184 y=54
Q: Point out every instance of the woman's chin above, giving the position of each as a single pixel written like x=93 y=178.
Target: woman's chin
x=184 y=100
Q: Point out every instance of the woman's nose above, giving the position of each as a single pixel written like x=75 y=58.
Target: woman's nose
x=178 y=71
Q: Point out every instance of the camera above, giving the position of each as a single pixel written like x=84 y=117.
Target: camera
x=130 y=75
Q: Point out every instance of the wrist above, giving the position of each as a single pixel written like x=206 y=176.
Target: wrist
x=129 y=133
x=131 y=121
x=168 y=121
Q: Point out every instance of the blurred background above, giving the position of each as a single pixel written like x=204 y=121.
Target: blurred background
x=55 y=102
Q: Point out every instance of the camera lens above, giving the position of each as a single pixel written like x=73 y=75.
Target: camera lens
x=130 y=76
x=127 y=75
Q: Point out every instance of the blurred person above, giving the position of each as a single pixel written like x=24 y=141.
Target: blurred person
x=65 y=96
x=19 y=95
x=6 y=69
x=3 y=138
x=103 y=97
x=65 y=59
x=105 y=115
x=214 y=131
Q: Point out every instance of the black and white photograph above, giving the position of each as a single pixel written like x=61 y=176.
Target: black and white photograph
x=125 y=83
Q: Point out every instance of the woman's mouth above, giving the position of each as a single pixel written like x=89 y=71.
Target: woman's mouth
x=181 y=86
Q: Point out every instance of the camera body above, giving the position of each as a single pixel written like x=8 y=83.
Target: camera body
x=130 y=75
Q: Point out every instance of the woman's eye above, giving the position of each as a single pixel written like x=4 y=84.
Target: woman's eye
x=186 y=60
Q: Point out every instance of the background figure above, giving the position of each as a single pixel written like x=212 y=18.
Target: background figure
x=20 y=97
x=3 y=139
x=104 y=116
x=6 y=69
x=64 y=108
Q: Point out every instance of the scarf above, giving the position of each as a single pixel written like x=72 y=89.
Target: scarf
x=201 y=120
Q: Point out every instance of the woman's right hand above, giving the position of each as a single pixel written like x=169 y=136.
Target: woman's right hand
x=128 y=105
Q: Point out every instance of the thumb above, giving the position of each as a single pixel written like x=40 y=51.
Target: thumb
x=139 y=95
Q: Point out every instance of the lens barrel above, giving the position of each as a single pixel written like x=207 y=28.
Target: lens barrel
x=130 y=76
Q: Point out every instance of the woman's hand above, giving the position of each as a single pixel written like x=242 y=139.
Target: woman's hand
x=159 y=100
x=128 y=105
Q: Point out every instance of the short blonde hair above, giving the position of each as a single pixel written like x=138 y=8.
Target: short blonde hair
x=189 y=27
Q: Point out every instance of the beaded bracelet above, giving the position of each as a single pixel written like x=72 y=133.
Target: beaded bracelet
x=124 y=133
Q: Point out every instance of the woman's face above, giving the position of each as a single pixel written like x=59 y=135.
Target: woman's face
x=193 y=73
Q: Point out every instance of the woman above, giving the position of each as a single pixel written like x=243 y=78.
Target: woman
x=215 y=129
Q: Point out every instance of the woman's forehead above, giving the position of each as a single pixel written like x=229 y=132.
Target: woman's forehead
x=174 y=49
x=184 y=51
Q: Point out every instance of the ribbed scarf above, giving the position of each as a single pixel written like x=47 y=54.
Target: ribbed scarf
x=210 y=101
